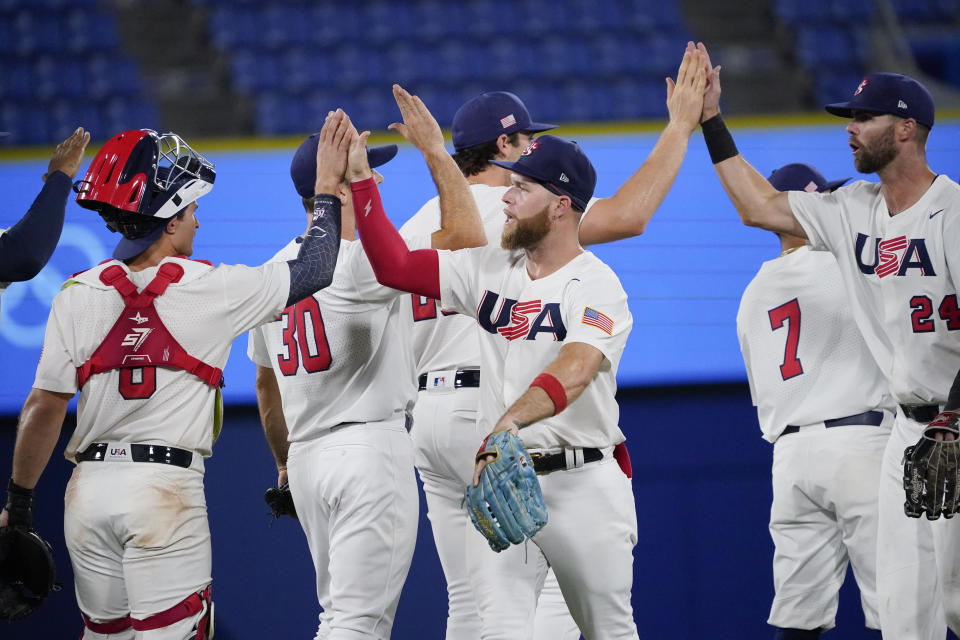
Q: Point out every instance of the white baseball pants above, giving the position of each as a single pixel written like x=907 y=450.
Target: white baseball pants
x=446 y=438
x=356 y=497
x=918 y=560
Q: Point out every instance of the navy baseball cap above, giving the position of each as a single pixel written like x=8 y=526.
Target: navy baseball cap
x=484 y=118
x=891 y=93
x=559 y=165
x=303 y=167
x=802 y=177
x=130 y=248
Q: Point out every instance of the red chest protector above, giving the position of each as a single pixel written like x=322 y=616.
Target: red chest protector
x=139 y=342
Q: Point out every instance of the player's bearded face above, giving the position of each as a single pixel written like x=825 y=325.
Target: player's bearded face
x=876 y=154
x=526 y=232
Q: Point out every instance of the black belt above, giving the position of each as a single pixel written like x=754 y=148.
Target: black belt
x=922 y=413
x=463 y=378
x=871 y=418
x=547 y=462
x=140 y=453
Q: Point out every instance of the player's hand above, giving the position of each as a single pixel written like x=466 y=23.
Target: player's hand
x=685 y=96
x=358 y=166
x=332 y=149
x=69 y=154
x=504 y=424
x=281 y=476
x=711 y=98
x=419 y=126
x=478 y=469
x=4 y=518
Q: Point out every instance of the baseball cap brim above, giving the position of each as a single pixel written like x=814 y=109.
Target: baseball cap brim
x=846 y=109
x=519 y=168
x=834 y=184
x=377 y=156
x=128 y=248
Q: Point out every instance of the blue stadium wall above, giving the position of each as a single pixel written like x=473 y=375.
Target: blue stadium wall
x=702 y=563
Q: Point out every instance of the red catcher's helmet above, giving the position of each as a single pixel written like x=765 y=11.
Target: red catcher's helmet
x=146 y=173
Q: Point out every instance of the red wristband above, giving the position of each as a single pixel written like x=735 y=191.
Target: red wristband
x=554 y=389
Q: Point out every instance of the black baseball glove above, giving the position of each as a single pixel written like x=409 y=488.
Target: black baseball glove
x=280 y=501
x=931 y=470
x=27 y=571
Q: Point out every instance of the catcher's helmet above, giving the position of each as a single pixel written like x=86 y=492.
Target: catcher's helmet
x=140 y=179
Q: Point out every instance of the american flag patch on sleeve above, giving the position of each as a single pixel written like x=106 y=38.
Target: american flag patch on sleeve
x=596 y=319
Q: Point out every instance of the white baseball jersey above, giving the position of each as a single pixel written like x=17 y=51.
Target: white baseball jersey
x=447 y=340
x=204 y=311
x=525 y=322
x=806 y=360
x=899 y=272
x=339 y=356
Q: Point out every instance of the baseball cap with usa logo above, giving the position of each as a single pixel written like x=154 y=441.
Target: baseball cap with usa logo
x=484 y=118
x=559 y=165
x=891 y=93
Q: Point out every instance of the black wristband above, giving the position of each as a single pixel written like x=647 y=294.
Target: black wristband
x=719 y=141
x=19 y=506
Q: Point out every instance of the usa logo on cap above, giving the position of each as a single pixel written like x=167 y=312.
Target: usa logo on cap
x=530 y=148
x=863 y=83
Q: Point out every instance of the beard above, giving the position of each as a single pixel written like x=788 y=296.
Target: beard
x=877 y=155
x=526 y=233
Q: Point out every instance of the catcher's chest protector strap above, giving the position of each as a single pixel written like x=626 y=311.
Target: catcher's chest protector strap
x=139 y=339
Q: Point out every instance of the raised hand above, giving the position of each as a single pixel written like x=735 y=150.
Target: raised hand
x=685 y=96
x=358 y=166
x=419 y=126
x=332 y=148
x=69 y=154
x=711 y=98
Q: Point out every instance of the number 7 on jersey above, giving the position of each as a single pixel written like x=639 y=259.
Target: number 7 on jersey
x=788 y=313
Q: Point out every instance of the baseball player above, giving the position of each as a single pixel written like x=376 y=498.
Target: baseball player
x=339 y=363
x=497 y=126
x=28 y=245
x=554 y=321
x=892 y=242
x=145 y=337
x=810 y=374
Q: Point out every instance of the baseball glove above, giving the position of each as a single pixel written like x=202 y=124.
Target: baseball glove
x=27 y=572
x=507 y=505
x=931 y=470
x=280 y=501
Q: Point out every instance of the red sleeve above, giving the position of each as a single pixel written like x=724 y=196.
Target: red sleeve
x=393 y=263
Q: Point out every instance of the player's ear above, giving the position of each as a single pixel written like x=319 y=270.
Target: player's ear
x=344 y=193
x=503 y=143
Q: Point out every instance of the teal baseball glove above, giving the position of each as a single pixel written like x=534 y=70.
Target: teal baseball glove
x=506 y=506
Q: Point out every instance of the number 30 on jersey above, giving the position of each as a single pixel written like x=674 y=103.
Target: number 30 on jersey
x=304 y=339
